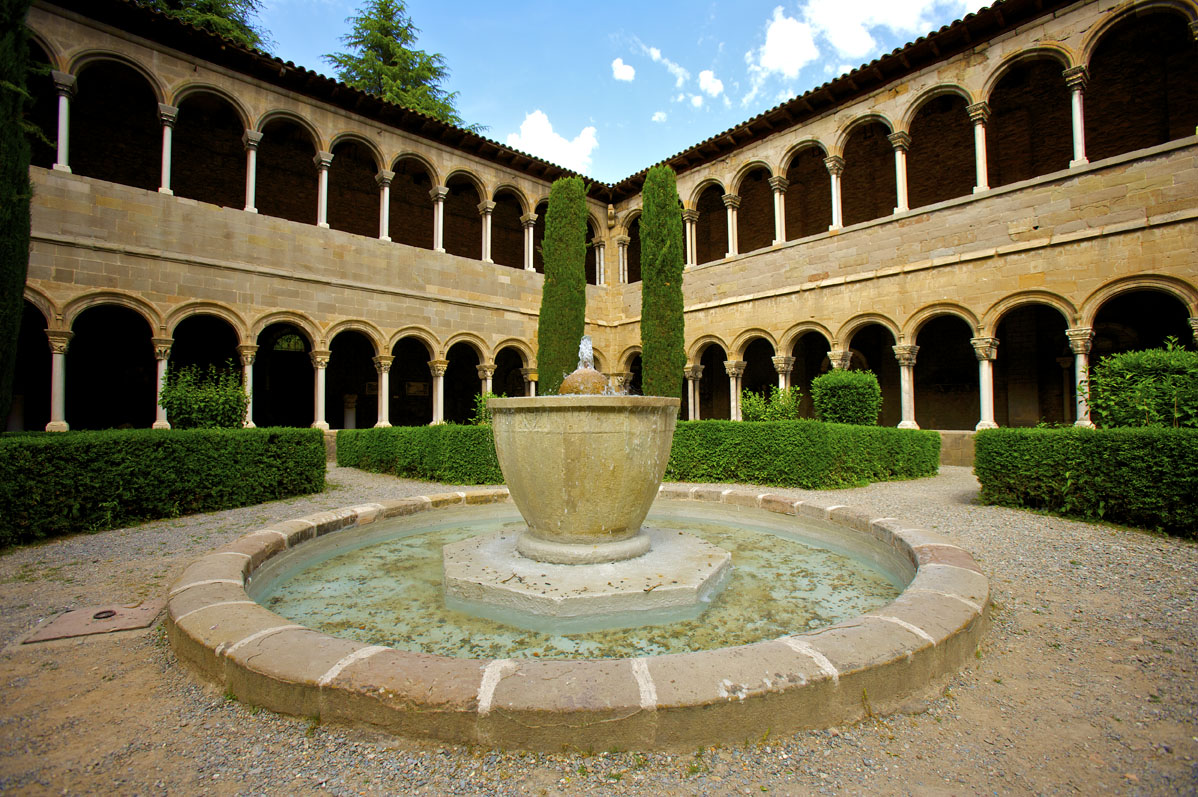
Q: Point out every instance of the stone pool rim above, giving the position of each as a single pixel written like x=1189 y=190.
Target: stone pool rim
x=869 y=664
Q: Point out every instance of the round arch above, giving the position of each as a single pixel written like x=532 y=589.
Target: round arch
x=1186 y=9
x=369 y=330
x=423 y=161
x=191 y=88
x=742 y=341
x=993 y=316
x=798 y=148
x=860 y=121
x=630 y=216
x=1183 y=291
x=513 y=343
x=73 y=308
x=850 y=327
x=44 y=304
x=1052 y=50
x=189 y=309
x=289 y=116
x=422 y=334
x=52 y=52
x=309 y=328
x=747 y=169
x=703 y=185
x=81 y=61
x=694 y=352
x=787 y=340
x=627 y=356
x=347 y=136
x=512 y=189
x=926 y=314
x=925 y=97
x=470 y=339
x=479 y=184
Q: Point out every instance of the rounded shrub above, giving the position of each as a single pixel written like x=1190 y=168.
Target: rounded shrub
x=847 y=397
x=779 y=405
x=1156 y=387
x=211 y=398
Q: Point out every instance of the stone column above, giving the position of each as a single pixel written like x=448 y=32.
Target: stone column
x=323 y=161
x=162 y=354
x=622 y=259
x=1066 y=364
x=979 y=113
x=732 y=202
x=438 y=368
x=600 y=265
x=901 y=142
x=690 y=218
x=905 y=354
x=384 y=178
x=530 y=381
x=835 y=166
x=349 y=412
x=320 y=361
x=779 y=186
x=251 y=139
x=168 y=115
x=382 y=365
x=438 y=194
x=1080 y=340
x=64 y=86
x=1076 y=78
x=247 y=352
x=485 y=209
x=694 y=373
x=60 y=339
x=1194 y=321
x=783 y=365
x=528 y=223
x=735 y=370
x=485 y=372
x=986 y=350
x=841 y=359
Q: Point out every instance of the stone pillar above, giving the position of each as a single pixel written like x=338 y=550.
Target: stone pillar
x=690 y=218
x=600 y=265
x=1066 y=364
x=485 y=372
x=1076 y=78
x=64 y=86
x=384 y=178
x=1080 y=340
x=622 y=259
x=530 y=381
x=841 y=359
x=349 y=412
x=247 y=352
x=438 y=194
x=320 y=361
x=528 y=222
x=1194 y=321
x=835 y=166
x=783 y=365
x=323 y=161
x=168 y=115
x=60 y=339
x=485 y=209
x=382 y=366
x=779 y=186
x=979 y=113
x=162 y=354
x=901 y=142
x=732 y=202
x=438 y=368
x=735 y=370
x=251 y=139
x=905 y=354
x=986 y=350
x=694 y=373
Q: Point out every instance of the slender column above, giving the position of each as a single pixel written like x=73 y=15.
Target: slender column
x=167 y=114
x=986 y=350
x=1066 y=364
x=732 y=202
x=905 y=354
x=485 y=209
x=1080 y=340
x=1194 y=321
x=320 y=361
x=162 y=353
x=694 y=374
x=323 y=161
x=438 y=368
x=835 y=166
x=384 y=178
x=841 y=358
x=382 y=365
x=59 y=340
x=979 y=113
x=779 y=186
x=690 y=218
x=783 y=365
x=901 y=142
x=600 y=264
x=528 y=222
x=64 y=85
x=247 y=352
x=485 y=372
x=735 y=370
x=530 y=381
x=251 y=139
x=1076 y=78
x=622 y=258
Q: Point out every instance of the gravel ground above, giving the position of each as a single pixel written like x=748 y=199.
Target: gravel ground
x=1085 y=683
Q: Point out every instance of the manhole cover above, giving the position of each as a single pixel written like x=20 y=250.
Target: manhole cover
x=96 y=620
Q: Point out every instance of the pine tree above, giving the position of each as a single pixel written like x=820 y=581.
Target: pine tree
x=564 y=296
x=663 y=347
x=227 y=18
x=382 y=60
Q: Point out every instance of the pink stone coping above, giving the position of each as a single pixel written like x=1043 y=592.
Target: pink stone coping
x=870 y=664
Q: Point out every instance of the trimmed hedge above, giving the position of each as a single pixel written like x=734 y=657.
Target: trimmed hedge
x=444 y=453
x=847 y=397
x=52 y=484
x=1146 y=477
x=803 y=453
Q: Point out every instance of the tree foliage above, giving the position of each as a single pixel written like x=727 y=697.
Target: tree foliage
x=779 y=405
x=564 y=296
x=663 y=351
x=382 y=60
x=227 y=18
x=1155 y=387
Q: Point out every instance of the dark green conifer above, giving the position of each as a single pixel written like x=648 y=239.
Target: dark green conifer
x=564 y=297
x=663 y=348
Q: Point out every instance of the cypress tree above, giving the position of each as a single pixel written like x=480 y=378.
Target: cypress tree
x=564 y=296
x=663 y=348
x=14 y=189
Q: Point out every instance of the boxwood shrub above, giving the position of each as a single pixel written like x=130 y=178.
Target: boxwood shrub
x=1145 y=477
x=847 y=397
x=53 y=484
x=444 y=453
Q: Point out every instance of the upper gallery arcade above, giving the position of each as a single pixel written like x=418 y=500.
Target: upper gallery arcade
x=973 y=217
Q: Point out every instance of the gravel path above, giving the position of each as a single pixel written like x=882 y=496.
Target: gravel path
x=1086 y=682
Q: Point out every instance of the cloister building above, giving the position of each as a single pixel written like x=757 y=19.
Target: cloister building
x=973 y=217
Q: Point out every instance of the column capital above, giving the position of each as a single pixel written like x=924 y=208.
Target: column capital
x=731 y=201
x=598 y=242
x=382 y=363
x=734 y=367
x=438 y=193
x=248 y=351
x=1076 y=78
x=979 y=112
x=834 y=164
x=528 y=219
x=778 y=184
x=841 y=358
x=783 y=364
x=529 y=374
x=162 y=348
x=905 y=354
x=438 y=367
x=486 y=207
x=64 y=83
x=1194 y=29
x=691 y=215
x=985 y=348
x=486 y=370
x=320 y=358
x=694 y=372
x=384 y=178
x=60 y=339
x=323 y=160
x=1080 y=339
x=167 y=114
x=1194 y=327
x=622 y=240
x=250 y=139
x=900 y=140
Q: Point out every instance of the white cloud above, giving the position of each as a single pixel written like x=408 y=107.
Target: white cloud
x=849 y=27
x=660 y=116
x=621 y=70
x=680 y=74
x=711 y=84
x=789 y=46
x=697 y=100
x=680 y=97
x=537 y=137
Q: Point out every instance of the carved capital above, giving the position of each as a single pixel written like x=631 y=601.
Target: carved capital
x=529 y=374
x=979 y=112
x=985 y=348
x=694 y=372
x=438 y=193
x=323 y=160
x=834 y=164
x=384 y=178
x=778 y=184
x=438 y=367
x=247 y=352
x=64 y=83
x=528 y=219
x=734 y=368
x=486 y=207
x=783 y=364
x=905 y=354
x=485 y=371
x=598 y=243
x=1080 y=339
x=841 y=358
x=167 y=114
x=60 y=339
x=251 y=139
x=900 y=140
x=622 y=240
x=1194 y=327
x=1076 y=78
x=320 y=358
x=162 y=348
x=731 y=201
x=691 y=215
x=382 y=363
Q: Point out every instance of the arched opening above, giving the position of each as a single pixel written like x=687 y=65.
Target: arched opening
x=634 y=386
x=115 y=131
x=207 y=155
x=760 y=373
x=941 y=162
x=286 y=173
x=42 y=112
x=711 y=229
x=112 y=378
x=351 y=385
x=411 y=384
x=946 y=376
x=411 y=207
x=714 y=395
x=872 y=348
x=31 y=378
x=811 y=359
x=205 y=340
x=353 y=190
x=463 y=225
x=634 y=251
x=1143 y=87
x=1033 y=372
x=755 y=216
x=590 y=265
x=869 y=190
x=508 y=379
x=538 y=238
x=284 y=378
x=1029 y=132
x=507 y=231
x=808 y=195
x=461 y=382
x=1139 y=319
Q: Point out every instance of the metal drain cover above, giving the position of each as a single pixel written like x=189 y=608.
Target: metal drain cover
x=96 y=620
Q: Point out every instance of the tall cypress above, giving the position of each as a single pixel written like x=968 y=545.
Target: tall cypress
x=663 y=347
x=564 y=297
x=14 y=189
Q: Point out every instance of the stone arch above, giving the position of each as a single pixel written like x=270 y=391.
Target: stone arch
x=115 y=129
x=864 y=120
x=519 y=345
x=347 y=136
x=993 y=316
x=462 y=223
x=1183 y=291
x=788 y=338
x=1029 y=131
x=147 y=311
x=41 y=110
x=511 y=188
x=809 y=193
x=1053 y=50
x=287 y=176
x=424 y=162
x=190 y=88
x=54 y=55
x=737 y=350
x=223 y=311
x=480 y=185
x=627 y=356
x=630 y=216
x=1186 y=9
x=868 y=183
x=703 y=185
x=507 y=229
x=44 y=304
x=422 y=334
x=368 y=330
x=411 y=208
x=277 y=114
x=600 y=360
x=309 y=328
x=353 y=198
x=746 y=169
x=82 y=60
x=711 y=226
x=470 y=339
x=798 y=148
x=926 y=314
x=208 y=150
x=695 y=351
x=927 y=96
x=941 y=154
x=845 y=334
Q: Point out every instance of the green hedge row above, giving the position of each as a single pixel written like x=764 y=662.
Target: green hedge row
x=1145 y=477
x=53 y=484
x=444 y=453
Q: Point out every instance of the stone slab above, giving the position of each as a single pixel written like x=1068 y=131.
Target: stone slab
x=97 y=620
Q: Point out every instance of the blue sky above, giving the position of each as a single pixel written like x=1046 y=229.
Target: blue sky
x=608 y=89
